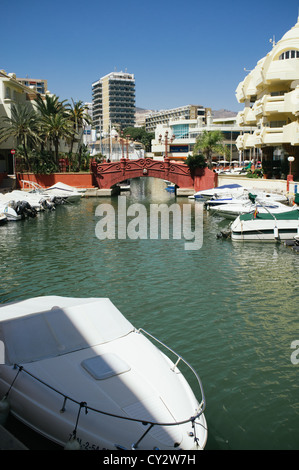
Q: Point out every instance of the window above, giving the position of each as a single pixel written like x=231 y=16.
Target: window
x=274 y=124
x=289 y=55
x=7 y=93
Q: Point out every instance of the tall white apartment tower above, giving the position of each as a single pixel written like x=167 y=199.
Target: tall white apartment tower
x=113 y=101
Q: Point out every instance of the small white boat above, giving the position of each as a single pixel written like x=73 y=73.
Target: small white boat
x=233 y=210
x=10 y=213
x=226 y=190
x=246 y=197
x=62 y=190
x=36 y=201
x=76 y=370
x=266 y=226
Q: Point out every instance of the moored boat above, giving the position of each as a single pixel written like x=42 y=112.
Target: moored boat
x=233 y=210
x=267 y=226
x=226 y=190
x=78 y=369
x=64 y=191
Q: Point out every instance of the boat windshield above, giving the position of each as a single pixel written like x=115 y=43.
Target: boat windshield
x=61 y=330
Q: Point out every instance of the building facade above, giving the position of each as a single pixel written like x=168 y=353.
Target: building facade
x=11 y=91
x=187 y=112
x=113 y=99
x=182 y=134
x=270 y=93
x=39 y=85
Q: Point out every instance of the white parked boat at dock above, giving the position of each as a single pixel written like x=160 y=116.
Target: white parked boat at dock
x=234 y=209
x=223 y=191
x=63 y=190
x=227 y=192
x=266 y=226
x=9 y=212
x=76 y=368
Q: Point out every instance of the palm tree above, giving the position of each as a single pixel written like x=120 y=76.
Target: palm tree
x=23 y=126
x=78 y=116
x=55 y=127
x=55 y=120
x=209 y=142
x=50 y=105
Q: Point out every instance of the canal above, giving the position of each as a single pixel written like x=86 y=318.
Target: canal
x=230 y=309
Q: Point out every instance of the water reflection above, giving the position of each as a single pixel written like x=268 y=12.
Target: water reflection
x=230 y=309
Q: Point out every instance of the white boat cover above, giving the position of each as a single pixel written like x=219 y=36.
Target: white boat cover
x=46 y=327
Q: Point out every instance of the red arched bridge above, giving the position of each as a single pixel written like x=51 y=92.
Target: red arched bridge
x=109 y=174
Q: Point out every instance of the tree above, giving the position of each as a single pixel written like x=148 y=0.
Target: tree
x=57 y=126
x=23 y=126
x=55 y=121
x=50 y=105
x=209 y=142
x=79 y=117
x=195 y=161
x=141 y=135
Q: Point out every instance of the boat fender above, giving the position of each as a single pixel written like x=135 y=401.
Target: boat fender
x=72 y=444
x=276 y=234
x=4 y=410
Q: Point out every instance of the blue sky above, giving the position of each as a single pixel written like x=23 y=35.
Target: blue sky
x=181 y=52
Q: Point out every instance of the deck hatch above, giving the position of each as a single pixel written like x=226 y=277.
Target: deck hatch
x=105 y=366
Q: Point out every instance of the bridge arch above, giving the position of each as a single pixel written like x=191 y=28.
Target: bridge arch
x=110 y=173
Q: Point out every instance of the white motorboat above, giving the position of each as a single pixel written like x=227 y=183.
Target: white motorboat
x=76 y=370
x=233 y=210
x=226 y=193
x=266 y=226
x=36 y=201
x=226 y=190
x=9 y=212
x=246 y=197
x=62 y=190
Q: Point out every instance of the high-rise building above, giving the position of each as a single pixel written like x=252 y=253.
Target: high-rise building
x=113 y=101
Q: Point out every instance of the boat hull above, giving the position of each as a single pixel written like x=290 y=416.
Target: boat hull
x=122 y=393
x=268 y=230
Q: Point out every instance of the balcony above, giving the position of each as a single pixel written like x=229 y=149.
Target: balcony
x=280 y=70
x=249 y=116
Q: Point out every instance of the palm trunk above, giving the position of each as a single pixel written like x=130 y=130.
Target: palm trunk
x=26 y=157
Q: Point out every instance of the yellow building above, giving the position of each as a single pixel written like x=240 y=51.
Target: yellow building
x=270 y=93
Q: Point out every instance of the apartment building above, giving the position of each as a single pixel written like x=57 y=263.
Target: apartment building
x=270 y=93
x=182 y=134
x=163 y=117
x=11 y=91
x=39 y=85
x=113 y=99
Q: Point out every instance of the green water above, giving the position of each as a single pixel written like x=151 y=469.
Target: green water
x=231 y=310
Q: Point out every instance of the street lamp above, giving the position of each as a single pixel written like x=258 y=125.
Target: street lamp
x=127 y=145
x=166 y=140
x=290 y=176
x=291 y=159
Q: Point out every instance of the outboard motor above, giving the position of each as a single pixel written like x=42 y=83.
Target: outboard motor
x=25 y=209
x=15 y=206
x=47 y=204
